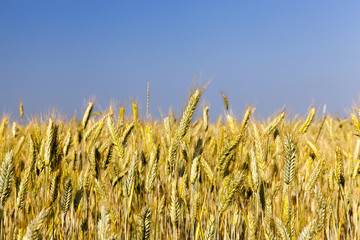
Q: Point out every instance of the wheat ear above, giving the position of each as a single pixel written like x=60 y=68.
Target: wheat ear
x=144 y=224
x=115 y=137
x=314 y=176
x=228 y=194
x=226 y=101
x=21 y=109
x=6 y=177
x=175 y=205
x=188 y=113
x=289 y=167
x=210 y=228
x=66 y=196
x=129 y=182
x=25 y=180
x=87 y=114
x=103 y=227
x=54 y=186
x=206 y=118
x=309 y=119
x=33 y=230
x=49 y=142
x=339 y=168
x=152 y=172
x=274 y=124
x=227 y=150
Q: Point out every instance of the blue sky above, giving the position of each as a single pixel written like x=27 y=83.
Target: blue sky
x=266 y=53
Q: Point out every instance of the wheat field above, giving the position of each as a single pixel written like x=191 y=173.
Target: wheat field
x=113 y=175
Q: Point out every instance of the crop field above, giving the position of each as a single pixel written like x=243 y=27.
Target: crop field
x=112 y=175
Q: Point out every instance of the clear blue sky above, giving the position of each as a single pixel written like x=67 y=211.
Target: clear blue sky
x=265 y=53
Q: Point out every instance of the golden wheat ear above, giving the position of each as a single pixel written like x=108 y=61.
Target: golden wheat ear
x=230 y=146
x=34 y=230
x=182 y=129
x=29 y=169
x=126 y=133
x=130 y=179
x=226 y=101
x=67 y=143
x=66 y=195
x=281 y=230
x=314 y=176
x=94 y=161
x=144 y=224
x=308 y=121
x=3 y=126
x=356 y=123
x=251 y=226
x=50 y=142
x=188 y=113
x=175 y=205
x=274 y=124
x=54 y=186
x=23 y=189
x=306 y=232
x=104 y=227
x=87 y=114
x=21 y=109
x=6 y=177
x=228 y=193
x=210 y=228
x=135 y=113
x=320 y=211
x=289 y=166
x=152 y=172
x=115 y=137
x=206 y=118
x=339 y=168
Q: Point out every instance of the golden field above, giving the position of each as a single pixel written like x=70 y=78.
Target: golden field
x=117 y=176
